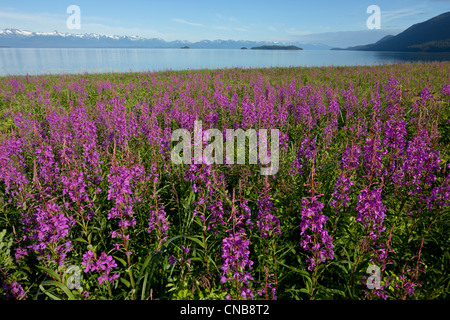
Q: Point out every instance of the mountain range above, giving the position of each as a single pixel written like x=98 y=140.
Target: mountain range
x=432 y=35
x=15 y=38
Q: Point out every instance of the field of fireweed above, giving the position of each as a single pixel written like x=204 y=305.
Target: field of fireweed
x=93 y=207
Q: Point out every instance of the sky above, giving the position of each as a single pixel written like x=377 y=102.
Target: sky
x=195 y=20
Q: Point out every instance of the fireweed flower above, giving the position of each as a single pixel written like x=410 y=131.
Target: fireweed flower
x=236 y=263
x=86 y=138
x=331 y=129
x=246 y=214
x=103 y=265
x=315 y=238
x=268 y=287
x=158 y=222
x=394 y=142
x=48 y=167
x=266 y=220
x=59 y=125
x=206 y=182
x=420 y=164
x=371 y=211
x=439 y=197
x=373 y=156
x=445 y=90
x=11 y=160
x=13 y=290
x=341 y=192
x=349 y=164
x=306 y=152
x=75 y=186
x=123 y=191
x=183 y=258
x=47 y=229
x=172 y=260
x=236 y=256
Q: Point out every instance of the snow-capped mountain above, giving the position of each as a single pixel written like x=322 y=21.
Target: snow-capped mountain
x=16 y=38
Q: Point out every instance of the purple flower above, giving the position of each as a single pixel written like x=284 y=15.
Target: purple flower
x=172 y=260
x=371 y=211
x=103 y=265
x=373 y=154
x=89 y=261
x=13 y=289
x=266 y=220
x=307 y=149
x=75 y=186
x=340 y=194
x=158 y=221
x=315 y=238
x=124 y=192
x=48 y=167
x=47 y=230
x=420 y=163
x=236 y=262
x=11 y=160
x=349 y=164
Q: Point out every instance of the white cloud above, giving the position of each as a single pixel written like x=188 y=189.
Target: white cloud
x=243 y=29
x=37 y=18
x=343 y=39
x=221 y=18
x=387 y=16
x=221 y=28
x=188 y=22
x=297 y=32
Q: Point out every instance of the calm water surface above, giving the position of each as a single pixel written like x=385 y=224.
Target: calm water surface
x=20 y=61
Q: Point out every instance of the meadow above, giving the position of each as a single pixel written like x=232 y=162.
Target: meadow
x=92 y=207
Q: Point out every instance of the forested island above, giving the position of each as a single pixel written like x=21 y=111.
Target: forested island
x=276 y=47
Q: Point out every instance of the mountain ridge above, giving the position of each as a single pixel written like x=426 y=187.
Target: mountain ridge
x=17 y=38
x=432 y=35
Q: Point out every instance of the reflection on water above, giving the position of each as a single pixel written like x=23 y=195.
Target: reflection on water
x=59 y=60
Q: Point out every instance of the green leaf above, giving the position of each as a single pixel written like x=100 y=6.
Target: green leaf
x=197 y=240
x=125 y=281
x=81 y=240
x=48 y=293
x=52 y=273
x=121 y=261
x=144 y=286
x=302 y=272
x=60 y=285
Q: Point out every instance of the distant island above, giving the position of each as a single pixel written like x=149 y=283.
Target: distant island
x=276 y=47
x=432 y=35
x=244 y=48
x=185 y=47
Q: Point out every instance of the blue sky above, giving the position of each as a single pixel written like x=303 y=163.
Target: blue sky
x=196 y=20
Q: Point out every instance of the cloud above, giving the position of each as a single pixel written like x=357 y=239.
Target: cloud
x=221 y=28
x=188 y=22
x=222 y=18
x=387 y=16
x=38 y=17
x=243 y=29
x=343 y=39
x=297 y=32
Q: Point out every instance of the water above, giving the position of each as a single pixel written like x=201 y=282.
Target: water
x=20 y=61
